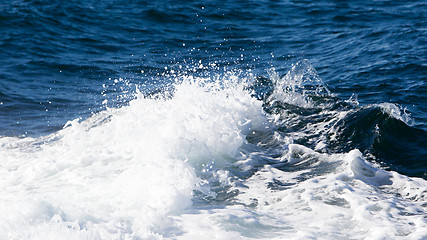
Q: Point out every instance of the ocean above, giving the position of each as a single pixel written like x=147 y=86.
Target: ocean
x=213 y=119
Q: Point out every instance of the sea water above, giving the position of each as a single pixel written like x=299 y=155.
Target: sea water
x=213 y=120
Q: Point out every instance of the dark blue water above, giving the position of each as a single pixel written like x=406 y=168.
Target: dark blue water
x=59 y=60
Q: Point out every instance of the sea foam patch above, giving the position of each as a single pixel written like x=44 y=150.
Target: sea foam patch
x=344 y=197
x=123 y=172
x=203 y=160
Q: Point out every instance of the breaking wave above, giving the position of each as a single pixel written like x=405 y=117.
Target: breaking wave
x=244 y=157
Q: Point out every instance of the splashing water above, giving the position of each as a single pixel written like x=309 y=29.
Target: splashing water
x=208 y=160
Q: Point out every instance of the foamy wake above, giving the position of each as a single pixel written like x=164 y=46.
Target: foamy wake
x=134 y=173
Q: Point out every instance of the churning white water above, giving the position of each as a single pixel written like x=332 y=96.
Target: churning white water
x=194 y=166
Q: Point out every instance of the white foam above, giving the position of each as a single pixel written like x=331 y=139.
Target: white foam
x=122 y=172
x=396 y=111
x=299 y=82
x=351 y=199
x=132 y=172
